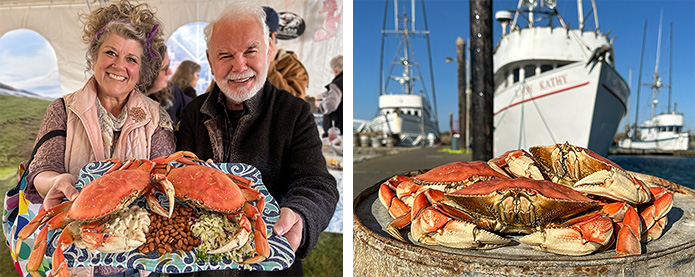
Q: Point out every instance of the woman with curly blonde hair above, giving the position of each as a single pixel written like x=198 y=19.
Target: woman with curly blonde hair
x=186 y=77
x=109 y=117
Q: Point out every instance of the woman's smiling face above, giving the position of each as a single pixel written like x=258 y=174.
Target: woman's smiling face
x=117 y=66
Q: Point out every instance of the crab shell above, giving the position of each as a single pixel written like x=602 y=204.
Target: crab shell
x=206 y=187
x=102 y=198
x=520 y=204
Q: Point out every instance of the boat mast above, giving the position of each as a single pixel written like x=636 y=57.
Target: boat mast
x=657 y=83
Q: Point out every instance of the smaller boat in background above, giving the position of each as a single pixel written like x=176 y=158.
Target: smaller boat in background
x=405 y=116
x=664 y=131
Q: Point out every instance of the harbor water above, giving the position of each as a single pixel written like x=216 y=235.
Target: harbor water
x=680 y=170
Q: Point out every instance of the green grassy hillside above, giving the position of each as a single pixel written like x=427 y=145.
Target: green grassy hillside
x=20 y=119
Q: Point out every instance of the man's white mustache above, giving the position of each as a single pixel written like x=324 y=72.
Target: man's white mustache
x=233 y=77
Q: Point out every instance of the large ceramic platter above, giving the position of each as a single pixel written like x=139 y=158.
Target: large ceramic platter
x=281 y=255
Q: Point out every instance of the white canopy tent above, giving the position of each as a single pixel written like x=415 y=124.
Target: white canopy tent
x=59 y=22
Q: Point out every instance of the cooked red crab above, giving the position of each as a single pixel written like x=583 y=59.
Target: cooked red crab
x=591 y=203
x=84 y=218
x=200 y=186
x=213 y=190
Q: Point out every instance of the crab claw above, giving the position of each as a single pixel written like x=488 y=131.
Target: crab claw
x=168 y=188
x=580 y=236
x=517 y=163
x=433 y=227
x=239 y=239
x=615 y=184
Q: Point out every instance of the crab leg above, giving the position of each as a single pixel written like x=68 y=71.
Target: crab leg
x=654 y=215
x=629 y=236
x=58 y=264
x=390 y=200
x=37 y=253
x=260 y=240
x=184 y=157
x=42 y=217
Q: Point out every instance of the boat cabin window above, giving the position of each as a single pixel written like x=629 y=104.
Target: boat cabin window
x=546 y=67
x=529 y=70
x=516 y=75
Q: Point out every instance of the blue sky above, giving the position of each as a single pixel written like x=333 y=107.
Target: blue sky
x=448 y=19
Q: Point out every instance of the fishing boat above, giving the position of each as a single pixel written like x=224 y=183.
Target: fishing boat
x=553 y=83
x=663 y=132
x=405 y=112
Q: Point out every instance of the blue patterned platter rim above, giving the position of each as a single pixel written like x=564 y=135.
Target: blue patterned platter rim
x=281 y=255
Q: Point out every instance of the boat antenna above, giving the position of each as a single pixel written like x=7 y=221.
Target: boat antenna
x=639 y=79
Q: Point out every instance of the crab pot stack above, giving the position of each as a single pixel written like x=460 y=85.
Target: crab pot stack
x=376 y=253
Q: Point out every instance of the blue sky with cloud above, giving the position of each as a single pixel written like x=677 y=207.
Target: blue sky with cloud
x=28 y=62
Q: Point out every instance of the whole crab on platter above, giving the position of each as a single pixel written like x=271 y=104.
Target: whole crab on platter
x=86 y=221
x=567 y=199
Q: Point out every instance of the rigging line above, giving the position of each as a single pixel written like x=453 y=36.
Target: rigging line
x=538 y=110
x=511 y=100
x=429 y=54
x=393 y=65
x=521 y=120
x=381 y=54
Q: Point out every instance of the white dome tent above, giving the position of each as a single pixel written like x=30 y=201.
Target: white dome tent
x=58 y=21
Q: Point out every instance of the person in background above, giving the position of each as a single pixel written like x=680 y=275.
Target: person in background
x=286 y=72
x=109 y=117
x=158 y=90
x=246 y=119
x=169 y=96
x=186 y=77
x=331 y=106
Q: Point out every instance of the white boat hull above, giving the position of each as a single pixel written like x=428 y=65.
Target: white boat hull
x=403 y=126
x=671 y=142
x=576 y=103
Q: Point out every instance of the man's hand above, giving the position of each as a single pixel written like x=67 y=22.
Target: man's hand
x=291 y=226
x=63 y=186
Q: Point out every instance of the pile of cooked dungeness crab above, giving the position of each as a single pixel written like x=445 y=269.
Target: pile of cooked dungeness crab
x=567 y=199
x=100 y=218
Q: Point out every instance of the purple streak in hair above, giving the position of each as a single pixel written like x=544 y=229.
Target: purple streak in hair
x=148 y=42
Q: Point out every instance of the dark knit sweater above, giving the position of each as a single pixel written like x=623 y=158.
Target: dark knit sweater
x=277 y=134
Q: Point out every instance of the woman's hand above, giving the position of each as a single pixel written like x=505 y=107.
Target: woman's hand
x=63 y=186
x=291 y=226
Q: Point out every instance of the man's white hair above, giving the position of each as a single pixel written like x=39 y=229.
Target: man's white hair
x=237 y=10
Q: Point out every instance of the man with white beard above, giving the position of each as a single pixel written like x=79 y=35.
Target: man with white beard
x=245 y=119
